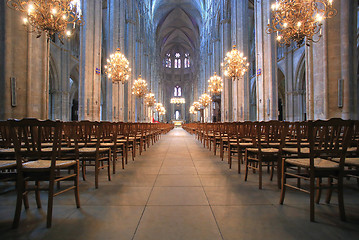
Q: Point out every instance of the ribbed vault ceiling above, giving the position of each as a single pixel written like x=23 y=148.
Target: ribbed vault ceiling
x=178 y=23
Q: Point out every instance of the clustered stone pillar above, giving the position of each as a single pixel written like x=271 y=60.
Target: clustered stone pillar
x=332 y=62
x=225 y=29
x=23 y=68
x=266 y=61
x=240 y=38
x=90 y=62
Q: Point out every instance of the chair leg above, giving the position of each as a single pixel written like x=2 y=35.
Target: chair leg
x=114 y=160
x=50 y=203
x=76 y=182
x=319 y=190
x=311 y=195
x=341 y=198
x=330 y=190
x=284 y=181
x=37 y=194
x=260 y=173
x=239 y=160
x=20 y=191
x=246 y=161
x=97 y=170
x=25 y=196
x=109 y=166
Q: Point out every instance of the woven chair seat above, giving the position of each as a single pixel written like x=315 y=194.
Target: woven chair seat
x=318 y=163
x=349 y=161
x=295 y=150
x=263 y=150
x=92 y=150
x=5 y=164
x=7 y=150
x=46 y=164
x=294 y=144
x=63 y=149
x=108 y=144
x=352 y=149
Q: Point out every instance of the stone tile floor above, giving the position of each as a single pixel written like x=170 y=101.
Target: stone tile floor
x=178 y=190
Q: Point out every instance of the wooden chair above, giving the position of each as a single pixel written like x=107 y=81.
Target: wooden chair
x=92 y=154
x=268 y=141
x=327 y=140
x=35 y=165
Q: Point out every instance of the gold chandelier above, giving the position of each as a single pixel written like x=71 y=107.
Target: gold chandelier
x=49 y=16
x=118 y=68
x=139 y=87
x=193 y=110
x=215 y=84
x=235 y=64
x=162 y=111
x=150 y=99
x=294 y=20
x=158 y=107
x=205 y=100
x=197 y=106
x=178 y=100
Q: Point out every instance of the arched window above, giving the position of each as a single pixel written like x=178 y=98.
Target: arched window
x=187 y=61
x=177 y=60
x=177 y=91
x=168 y=61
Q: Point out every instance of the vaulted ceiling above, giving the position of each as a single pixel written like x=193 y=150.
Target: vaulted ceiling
x=178 y=23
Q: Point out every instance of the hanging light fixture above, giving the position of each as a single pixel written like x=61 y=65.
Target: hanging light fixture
x=139 y=87
x=215 y=84
x=118 y=67
x=178 y=100
x=205 y=100
x=294 y=20
x=162 y=111
x=193 y=110
x=49 y=16
x=158 y=107
x=150 y=99
x=197 y=106
x=235 y=64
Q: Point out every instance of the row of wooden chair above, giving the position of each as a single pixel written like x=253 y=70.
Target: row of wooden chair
x=312 y=150
x=34 y=151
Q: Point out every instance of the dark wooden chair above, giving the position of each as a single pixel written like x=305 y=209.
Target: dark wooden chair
x=35 y=165
x=92 y=154
x=327 y=140
x=268 y=141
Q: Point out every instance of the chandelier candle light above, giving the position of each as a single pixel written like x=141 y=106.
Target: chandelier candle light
x=197 y=106
x=150 y=99
x=49 y=16
x=193 y=110
x=139 y=87
x=178 y=100
x=205 y=100
x=118 y=68
x=215 y=84
x=235 y=64
x=295 y=20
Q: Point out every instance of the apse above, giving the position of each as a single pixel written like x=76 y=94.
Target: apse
x=178 y=25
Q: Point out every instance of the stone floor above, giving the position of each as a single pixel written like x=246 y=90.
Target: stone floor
x=178 y=190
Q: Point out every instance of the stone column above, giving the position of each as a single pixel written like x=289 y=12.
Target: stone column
x=23 y=68
x=90 y=60
x=225 y=28
x=59 y=88
x=266 y=60
x=332 y=62
x=240 y=38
